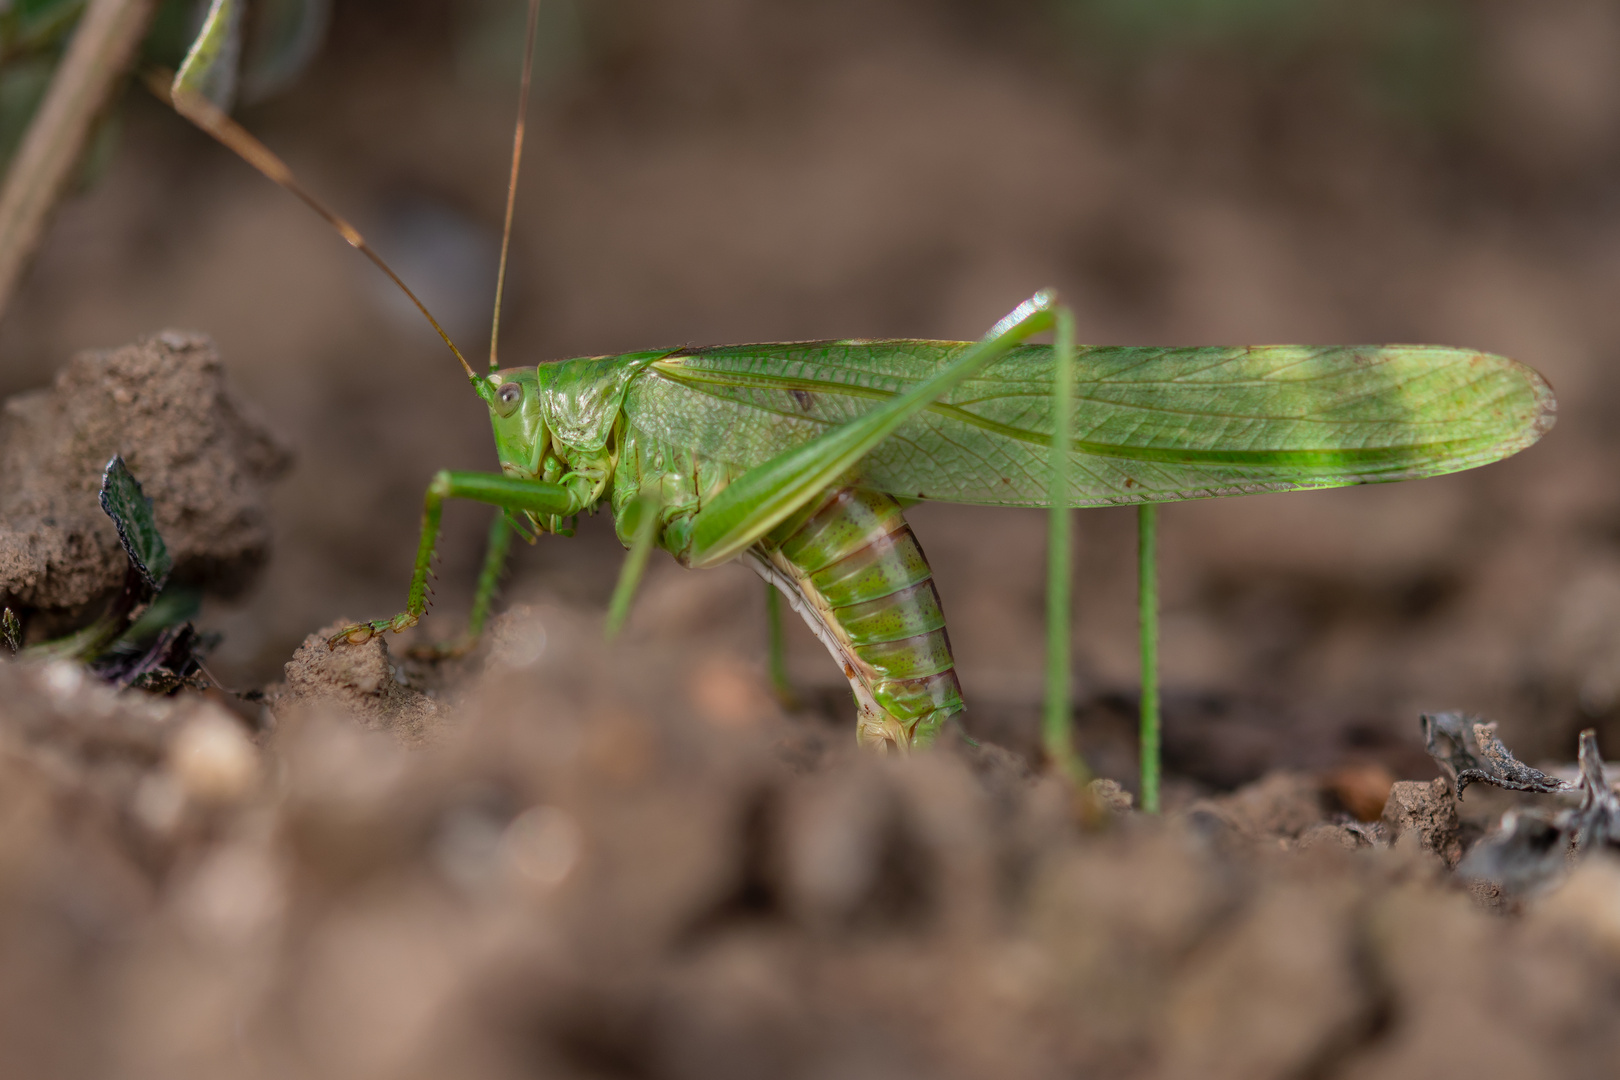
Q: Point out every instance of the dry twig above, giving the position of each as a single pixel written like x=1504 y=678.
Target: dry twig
x=101 y=51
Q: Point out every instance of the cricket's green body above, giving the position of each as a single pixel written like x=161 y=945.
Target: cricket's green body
x=847 y=561
x=707 y=438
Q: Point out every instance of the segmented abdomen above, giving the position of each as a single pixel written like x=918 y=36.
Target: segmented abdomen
x=861 y=572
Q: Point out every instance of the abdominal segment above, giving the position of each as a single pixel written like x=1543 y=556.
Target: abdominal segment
x=850 y=565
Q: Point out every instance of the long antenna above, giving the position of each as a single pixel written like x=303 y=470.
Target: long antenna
x=202 y=112
x=511 y=186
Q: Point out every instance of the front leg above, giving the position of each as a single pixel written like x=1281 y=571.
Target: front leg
x=496 y=546
x=507 y=492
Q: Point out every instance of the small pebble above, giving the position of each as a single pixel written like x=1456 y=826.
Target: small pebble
x=213 y=759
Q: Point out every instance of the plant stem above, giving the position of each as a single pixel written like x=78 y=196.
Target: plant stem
x=1147 y=601
x=1057 y=728
x=100 y=52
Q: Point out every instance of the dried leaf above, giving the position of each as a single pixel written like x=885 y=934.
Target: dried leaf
x=164 y=664
x=1597 y=819
x=1531 y=849
x=1528 y=853
x=1469 y=752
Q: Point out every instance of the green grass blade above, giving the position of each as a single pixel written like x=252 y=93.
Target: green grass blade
x=1147 y=610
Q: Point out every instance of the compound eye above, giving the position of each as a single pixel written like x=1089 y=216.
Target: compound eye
x=508 y=397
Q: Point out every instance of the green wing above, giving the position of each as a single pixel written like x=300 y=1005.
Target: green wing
x=1151 y=424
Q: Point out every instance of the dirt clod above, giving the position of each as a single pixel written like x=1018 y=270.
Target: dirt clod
x=360 y=679
x=1426 y=808
x=204 y=461
x=1110 y=795
x=1281 y=806
x=1351 y=837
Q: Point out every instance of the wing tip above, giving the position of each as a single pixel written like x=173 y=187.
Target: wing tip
x=1547 y=402
x=1540 y=409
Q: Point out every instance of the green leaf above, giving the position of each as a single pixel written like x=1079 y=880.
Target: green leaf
x=210 y=67
x=149 y=566
x=131 y=514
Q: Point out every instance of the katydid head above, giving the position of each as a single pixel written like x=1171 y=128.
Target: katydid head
x=513 y=396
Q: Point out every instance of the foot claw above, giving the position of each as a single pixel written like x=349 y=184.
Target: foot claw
x=360 y=633
x=350 y=635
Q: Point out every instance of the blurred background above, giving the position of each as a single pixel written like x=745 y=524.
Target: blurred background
x=706 y=171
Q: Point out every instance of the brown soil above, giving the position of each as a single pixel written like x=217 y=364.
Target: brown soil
x=628 y=863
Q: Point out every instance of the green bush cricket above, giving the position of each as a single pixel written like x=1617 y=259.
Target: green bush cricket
x=800 y=457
